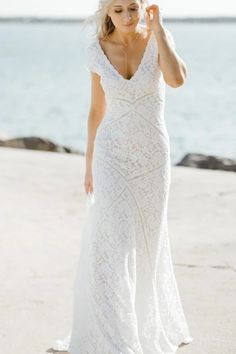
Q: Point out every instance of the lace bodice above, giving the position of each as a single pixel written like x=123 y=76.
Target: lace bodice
x=113 y=82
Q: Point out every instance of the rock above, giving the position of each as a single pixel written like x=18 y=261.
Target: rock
x=37 y=143
x=208 y=162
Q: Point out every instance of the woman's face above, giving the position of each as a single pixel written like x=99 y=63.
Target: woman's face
x=125 y=14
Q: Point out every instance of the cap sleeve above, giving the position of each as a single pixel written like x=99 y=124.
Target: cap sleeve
x=92 y=57
x=170 y=38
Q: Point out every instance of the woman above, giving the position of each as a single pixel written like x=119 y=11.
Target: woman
x=126 y=297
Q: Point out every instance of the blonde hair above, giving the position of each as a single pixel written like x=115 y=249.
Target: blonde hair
x=104 y=24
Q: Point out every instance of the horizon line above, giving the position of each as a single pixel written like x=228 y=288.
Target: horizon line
x=53 y=18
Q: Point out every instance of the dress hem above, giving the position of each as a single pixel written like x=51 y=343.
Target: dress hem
x=63 y=346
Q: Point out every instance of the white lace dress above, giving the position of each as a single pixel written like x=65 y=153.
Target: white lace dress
x=126 y=299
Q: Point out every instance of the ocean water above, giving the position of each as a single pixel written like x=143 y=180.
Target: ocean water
x=45 y=86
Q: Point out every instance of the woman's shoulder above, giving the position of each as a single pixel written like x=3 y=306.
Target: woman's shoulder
x=91 y=54
x=91 y=48
x=91 y=45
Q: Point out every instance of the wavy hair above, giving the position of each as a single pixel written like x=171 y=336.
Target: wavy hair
x=103 y=22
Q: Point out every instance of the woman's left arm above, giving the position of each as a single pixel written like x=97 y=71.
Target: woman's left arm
x=172 y=66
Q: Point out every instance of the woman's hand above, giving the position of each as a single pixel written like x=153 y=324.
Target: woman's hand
x=172 y=66
x=153 y=18
x=88 y=181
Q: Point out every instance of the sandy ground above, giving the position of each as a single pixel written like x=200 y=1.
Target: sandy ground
x=42 y=208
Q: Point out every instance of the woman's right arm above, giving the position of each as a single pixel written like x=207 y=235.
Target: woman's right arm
x=96 y=113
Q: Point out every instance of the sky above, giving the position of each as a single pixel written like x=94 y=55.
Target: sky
x=79 y=8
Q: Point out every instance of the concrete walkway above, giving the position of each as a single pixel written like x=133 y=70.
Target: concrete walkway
x=41 y=213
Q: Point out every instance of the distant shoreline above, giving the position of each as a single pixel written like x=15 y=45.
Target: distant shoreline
x=190 y=19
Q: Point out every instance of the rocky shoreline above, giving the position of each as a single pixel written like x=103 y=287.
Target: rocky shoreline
x=196 y=160
x=37 y=143
x=209 y=162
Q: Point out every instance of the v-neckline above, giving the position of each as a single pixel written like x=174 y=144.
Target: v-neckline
x=115 y=70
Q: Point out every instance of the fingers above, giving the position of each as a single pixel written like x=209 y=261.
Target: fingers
x=152 y=11
x=88 y=187
x=88 y=190
x=153 y=14
x=153 y=8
